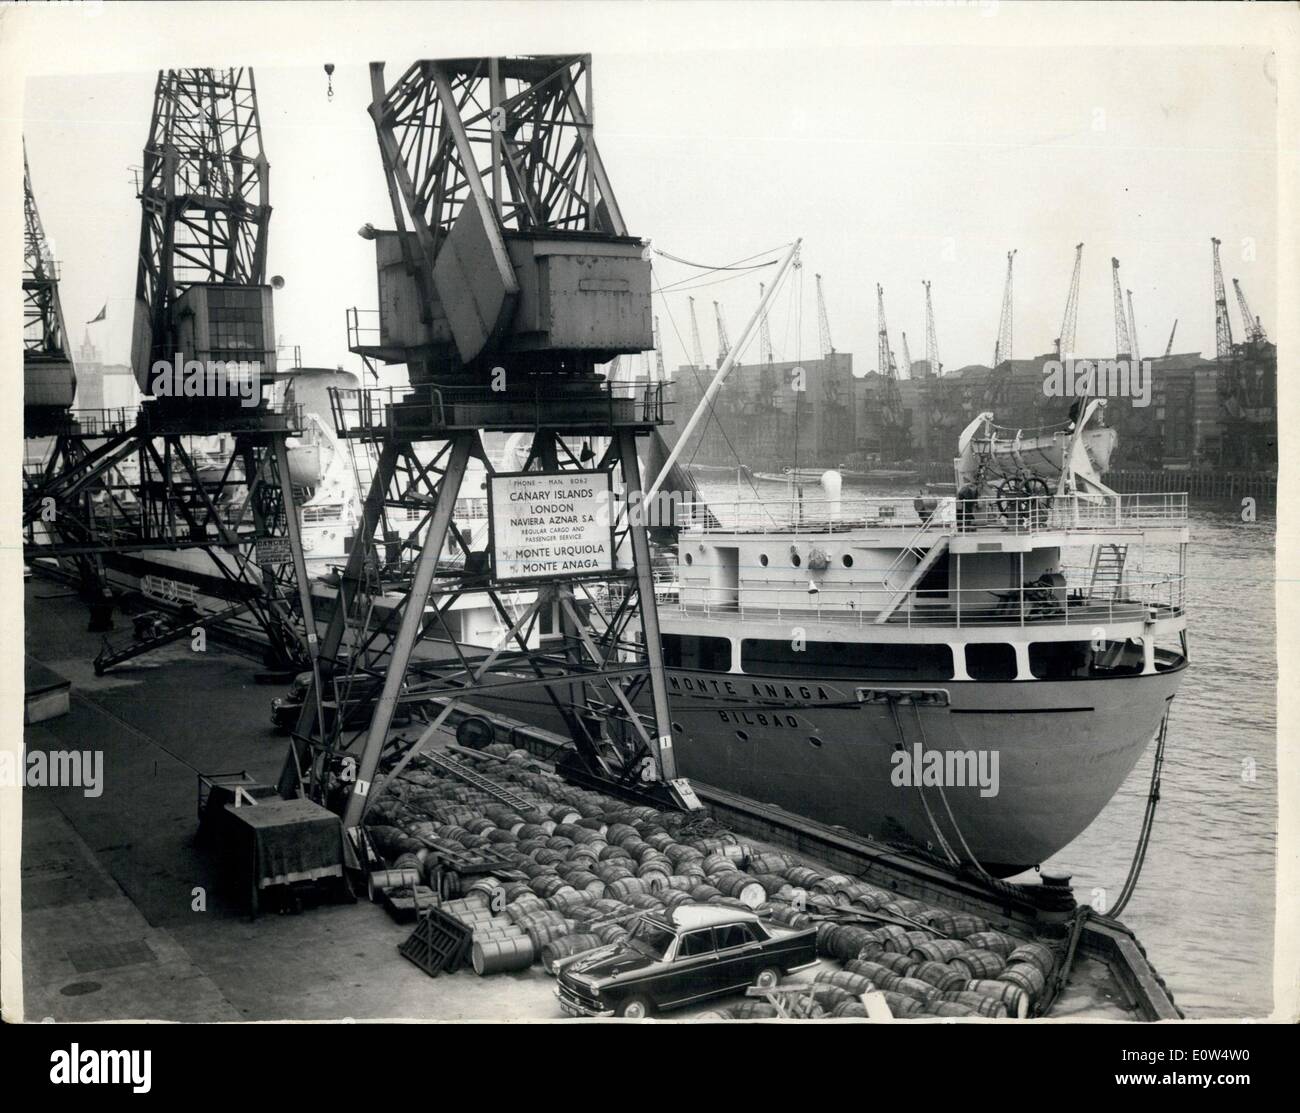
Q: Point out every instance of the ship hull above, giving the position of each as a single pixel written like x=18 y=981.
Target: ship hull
x=1063 y=748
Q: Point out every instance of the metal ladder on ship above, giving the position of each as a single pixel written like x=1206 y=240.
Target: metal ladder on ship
x=1107 y=571
x=925 y=559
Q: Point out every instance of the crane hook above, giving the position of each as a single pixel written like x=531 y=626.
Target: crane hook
x=329 y=77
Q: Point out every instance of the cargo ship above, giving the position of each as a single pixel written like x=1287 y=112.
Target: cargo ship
x=1010 y=642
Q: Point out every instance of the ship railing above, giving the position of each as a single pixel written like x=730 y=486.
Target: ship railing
x=1137 y=599
x=1020 y=515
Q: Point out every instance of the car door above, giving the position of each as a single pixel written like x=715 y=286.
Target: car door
x=740 y=957
x=694 y=970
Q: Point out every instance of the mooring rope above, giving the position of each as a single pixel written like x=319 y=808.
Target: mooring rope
x=953 y=860
x=944 y=797
x=1148 y=822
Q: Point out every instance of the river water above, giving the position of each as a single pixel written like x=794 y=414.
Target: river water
x=1204 y=905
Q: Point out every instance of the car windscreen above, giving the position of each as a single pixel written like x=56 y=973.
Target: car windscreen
x=650 y=938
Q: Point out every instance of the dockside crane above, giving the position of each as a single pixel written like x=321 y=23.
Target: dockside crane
x=906 y=366
x=884 y=354
x=931 y=337
x=1002 y=349
x=204 y=355
x=49 y=378
x=1069 y=322
x=724 y=344
x=660 y=376
x=1132 y=328
x=823 y=322
x=1169 y=347
x=510 y=242
x=765 y=356
x=697 y=349
x=1255 y=333
x=1123 y=345
x=1222 y=324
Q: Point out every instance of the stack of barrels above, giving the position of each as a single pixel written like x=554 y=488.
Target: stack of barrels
x=593 y=864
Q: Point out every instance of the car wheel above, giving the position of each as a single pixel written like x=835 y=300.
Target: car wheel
x=768 y=977
x=635 y=1008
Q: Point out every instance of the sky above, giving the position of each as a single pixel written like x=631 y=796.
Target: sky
x=894 y=163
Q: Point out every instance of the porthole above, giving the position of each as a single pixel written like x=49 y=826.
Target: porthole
x=689 y=559
x=796 y=559
x=740 y=734
x=677 y=727
x=847 y=560
x=814 y=741
x=762 y=559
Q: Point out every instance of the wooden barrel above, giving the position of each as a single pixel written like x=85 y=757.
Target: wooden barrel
x=408 y=861
x=896 y=962
x=501 y=956
x=802 y=877
x=947 y=1008
x=567 y=946
x=1013 y=997
x=868 y=969
x=849 y=1010
x=1027 y=976
x=914 y=987
x=624 y=887
x=595 y=887
x=679 y=852
x=846 y=980
x=539 y=934
x=617 y=832
x=752 y=1009
x=660 y=840
x=903 y=906
x=705 y=893
x=489 y=888
x=773 y=883
x=784 y=914
x=648 y=902
x=546 y=884
x=980 y=964
x=770 y=862
x=994 y=941
x=940 y=975
x=568 y=899
x=966 y=923
x=715 y=864
x=609 y=874
x=938 y=950
x=982 y=1003
x=1036 y=953
x=901 y=1005
x=741 y=886
x=610 y=933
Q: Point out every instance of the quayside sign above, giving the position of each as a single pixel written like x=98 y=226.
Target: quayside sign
x=549 y=524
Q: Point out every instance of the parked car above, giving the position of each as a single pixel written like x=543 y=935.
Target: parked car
x=671 y=959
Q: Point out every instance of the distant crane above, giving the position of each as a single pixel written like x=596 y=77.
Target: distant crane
x=724 y=344
x=1170 y=346
x=1123 y=345
x=1133 y=328
x=764 y=334
x=907 y=359
x=1065 y=342
x=888 y=368
x=1222 y=325
x=1254 y=330
x=823 y=322
x=660 y=376
x=697 y=349
x=931 y=339
x=1002 y=350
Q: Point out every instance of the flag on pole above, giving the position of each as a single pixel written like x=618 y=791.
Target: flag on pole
x=103 y=313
